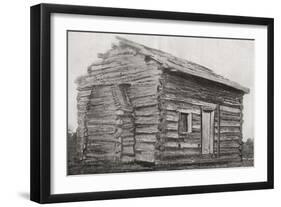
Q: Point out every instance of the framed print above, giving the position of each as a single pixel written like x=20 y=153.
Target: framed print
x=133 y=103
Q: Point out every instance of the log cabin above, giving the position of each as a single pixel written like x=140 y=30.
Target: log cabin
x=139 y=104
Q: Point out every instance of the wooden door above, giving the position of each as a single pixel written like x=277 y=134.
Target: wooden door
x=207 y=132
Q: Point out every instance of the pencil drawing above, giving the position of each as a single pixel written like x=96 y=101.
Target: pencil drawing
x=142 y=109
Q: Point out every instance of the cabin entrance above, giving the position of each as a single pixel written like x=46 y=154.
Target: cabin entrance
x=207 y=131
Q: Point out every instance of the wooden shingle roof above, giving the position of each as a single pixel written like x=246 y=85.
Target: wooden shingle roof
x=175 y=64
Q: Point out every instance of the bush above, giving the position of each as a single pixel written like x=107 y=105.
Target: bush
x=248 y=148
x=71 y=146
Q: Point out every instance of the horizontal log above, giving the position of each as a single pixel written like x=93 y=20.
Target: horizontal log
x=193 y=135
x=146 y=111
x=153 y=119
x=230 y=118
x=84 y=93
x=229 y=129
x=146 y=129
x=171 y=144
x=128 y=138
x=196 y=127
x=125 y=133
x=127 y=158
x=196 y=118
x=103 y=67
x=172 y=134
x=230 y=134
x=172 y=104
x=231 y=157
x=228 y=113
x=122 y=70
x=120 y=56
x=192 y=110
x=101 y=122
x=229 y=144
x=104 y=137
x=108 y=156
x=123 y=112
x=170 y=117
x=230 y=137
x=94 y=133
x=103 y=147
x=139 y=146
x=82 y=108
x=224 y=151
x=102 y=128
x=145 y=156
x=127 y=126
x=101 y=90
x=230 y=123
x=102 y=143
x=174 y=117
x=172 y=126
x=146 y=104
x=143 y=100
x=230 y=109
x=138 y=91
x=100 y=116
x=104 y=103
x=188 y=145
x=98 y=152
x=145 y=138
x=128 y=150
x=127 y=142
x=142 y=95
x=102 y=109
x=181 y=139
x=178 y=145
x=96 y=98
x=146 y=80
x=179 y=153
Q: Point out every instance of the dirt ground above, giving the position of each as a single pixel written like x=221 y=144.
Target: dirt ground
x=107 y=167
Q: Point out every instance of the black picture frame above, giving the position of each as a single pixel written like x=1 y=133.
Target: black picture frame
x=41 y=102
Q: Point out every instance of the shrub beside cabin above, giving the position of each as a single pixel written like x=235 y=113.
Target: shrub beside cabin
x=142 y=104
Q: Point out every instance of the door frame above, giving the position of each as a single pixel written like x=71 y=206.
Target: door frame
x=210 y=110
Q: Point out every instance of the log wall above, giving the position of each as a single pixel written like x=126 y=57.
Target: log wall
x=193 y=94
x=129 y=131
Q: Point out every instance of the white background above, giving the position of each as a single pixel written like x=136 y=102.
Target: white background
x=14 y=109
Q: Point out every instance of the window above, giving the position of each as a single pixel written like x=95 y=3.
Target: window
x=125 y=98
x=185 y=123
x=122 y=94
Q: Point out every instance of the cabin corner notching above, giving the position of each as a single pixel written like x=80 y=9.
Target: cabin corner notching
x=139 y=104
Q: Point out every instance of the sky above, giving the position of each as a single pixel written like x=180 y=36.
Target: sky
x=231 y=58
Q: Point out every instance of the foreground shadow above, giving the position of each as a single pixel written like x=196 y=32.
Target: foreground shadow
x=24 y=195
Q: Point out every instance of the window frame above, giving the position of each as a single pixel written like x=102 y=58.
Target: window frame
x=188 y=122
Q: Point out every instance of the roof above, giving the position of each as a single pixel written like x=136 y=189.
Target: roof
x=175 y=64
